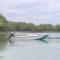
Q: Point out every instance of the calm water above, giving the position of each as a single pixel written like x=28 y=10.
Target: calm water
x=30 y=49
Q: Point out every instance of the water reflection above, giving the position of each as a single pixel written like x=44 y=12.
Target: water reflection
x=2 y=49
x=2 y=46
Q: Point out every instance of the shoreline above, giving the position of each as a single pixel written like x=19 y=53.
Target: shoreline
x=34 y=31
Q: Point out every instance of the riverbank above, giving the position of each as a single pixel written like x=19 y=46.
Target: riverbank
x=3 y=37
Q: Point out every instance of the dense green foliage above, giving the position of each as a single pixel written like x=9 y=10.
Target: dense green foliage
x=3 y=23
x=22 y=26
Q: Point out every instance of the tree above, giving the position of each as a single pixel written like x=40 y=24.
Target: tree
x=3 y=19
x=57 y=27
x=3 y=23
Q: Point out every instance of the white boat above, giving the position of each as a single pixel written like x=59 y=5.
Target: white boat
x=31 y=35
x=27 y=35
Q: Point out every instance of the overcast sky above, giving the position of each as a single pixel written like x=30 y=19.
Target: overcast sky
x=36 y=11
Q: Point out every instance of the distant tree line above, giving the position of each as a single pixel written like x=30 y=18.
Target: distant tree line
x=23 y=26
